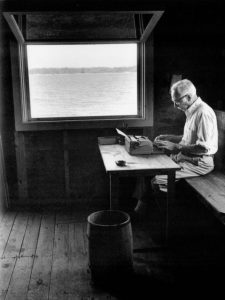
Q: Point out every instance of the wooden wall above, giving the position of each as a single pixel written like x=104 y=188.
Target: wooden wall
x=59 y=167
x=188 y=42
x=6 y=116
x=220 y=155
x=4 y=197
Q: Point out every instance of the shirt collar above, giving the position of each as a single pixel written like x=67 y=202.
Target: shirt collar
x=193 y=107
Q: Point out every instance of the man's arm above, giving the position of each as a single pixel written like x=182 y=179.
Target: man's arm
x=176 y=147
x=169 y=137
x=192 y=149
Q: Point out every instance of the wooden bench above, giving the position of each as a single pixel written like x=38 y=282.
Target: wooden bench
x=211 y=187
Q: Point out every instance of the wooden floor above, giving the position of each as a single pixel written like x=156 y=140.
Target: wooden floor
x=43 y=255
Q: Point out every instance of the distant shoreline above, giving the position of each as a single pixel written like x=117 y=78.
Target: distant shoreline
x=82 y=70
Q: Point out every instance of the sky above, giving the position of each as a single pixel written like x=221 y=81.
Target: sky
x=77 y=56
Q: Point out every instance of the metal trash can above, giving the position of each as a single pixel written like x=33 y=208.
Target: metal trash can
x=110 y=245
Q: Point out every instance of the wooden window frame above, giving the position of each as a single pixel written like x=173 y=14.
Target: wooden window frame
x=20 y=85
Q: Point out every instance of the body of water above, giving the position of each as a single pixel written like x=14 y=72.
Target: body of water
x=83 y=94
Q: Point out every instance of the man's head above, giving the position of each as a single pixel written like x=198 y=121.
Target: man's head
x=183 y=94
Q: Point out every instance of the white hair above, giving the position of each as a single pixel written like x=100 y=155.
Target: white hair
x=183 y=87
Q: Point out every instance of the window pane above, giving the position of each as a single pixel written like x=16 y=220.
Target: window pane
x=82 y=80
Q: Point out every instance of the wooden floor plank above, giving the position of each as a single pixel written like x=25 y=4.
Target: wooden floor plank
x=20 y=279
x=6 y=270
x=40 y=278
x=59 y=275
x=140 y=238
x=77 y=245
x=58 y=269
x=46 y=236
x=5 y=229
x=41 y=272
x=96 y=297
x=81 y=218
x=72 y=216
x=31 y=236
x=16 y=236
x=85 y=238
x=63 y=217
x=80 y=284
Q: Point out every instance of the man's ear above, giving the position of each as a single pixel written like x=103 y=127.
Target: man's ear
x=189 y=98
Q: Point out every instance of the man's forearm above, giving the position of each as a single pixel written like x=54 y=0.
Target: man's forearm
x=169 y=137
x=175 y=138
x=191 y=149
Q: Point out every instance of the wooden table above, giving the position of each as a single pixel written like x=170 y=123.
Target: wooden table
x=139 y=165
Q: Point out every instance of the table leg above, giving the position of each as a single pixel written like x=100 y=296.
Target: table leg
x=170 y=198
x=113 y=191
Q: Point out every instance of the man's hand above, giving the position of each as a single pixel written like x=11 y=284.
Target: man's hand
x=172 y=147
x=162 y=137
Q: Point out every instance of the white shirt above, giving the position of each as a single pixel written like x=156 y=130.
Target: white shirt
x=201 y=127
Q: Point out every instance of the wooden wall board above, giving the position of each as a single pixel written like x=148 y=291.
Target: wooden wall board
x=45 y=165
x=66 y=164
x=88 y=181
x=6 y=118
x=43 y=140
x=45 y=171
x=80 y=26
x=4 y=193
x=21 y=166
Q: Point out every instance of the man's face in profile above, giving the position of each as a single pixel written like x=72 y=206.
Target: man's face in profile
x=181 y=102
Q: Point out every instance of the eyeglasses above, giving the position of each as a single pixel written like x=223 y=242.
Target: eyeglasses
x=177 y=101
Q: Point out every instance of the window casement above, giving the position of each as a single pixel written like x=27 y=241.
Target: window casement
x=91 y=70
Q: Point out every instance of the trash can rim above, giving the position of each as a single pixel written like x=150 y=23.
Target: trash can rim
x=109 y=225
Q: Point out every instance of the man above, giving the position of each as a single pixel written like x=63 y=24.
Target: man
x=194 y=150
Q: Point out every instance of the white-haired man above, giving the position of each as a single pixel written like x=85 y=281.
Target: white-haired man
x=194 y=150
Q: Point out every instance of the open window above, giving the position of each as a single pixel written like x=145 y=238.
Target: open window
x=87 y=69
x=82 y=81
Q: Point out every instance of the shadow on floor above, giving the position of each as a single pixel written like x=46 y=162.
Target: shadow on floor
x=185 y=283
